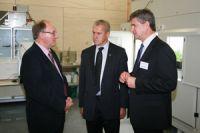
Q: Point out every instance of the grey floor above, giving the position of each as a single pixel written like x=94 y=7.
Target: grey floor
x=13 y=120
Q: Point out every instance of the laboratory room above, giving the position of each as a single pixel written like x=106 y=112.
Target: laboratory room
x=99 y=66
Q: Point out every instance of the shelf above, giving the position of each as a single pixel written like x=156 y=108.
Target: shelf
x=12 y=99
x=73 y=84
x=69 y=67
x=9 y=82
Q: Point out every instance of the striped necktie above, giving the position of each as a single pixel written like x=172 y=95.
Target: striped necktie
x=54 y=63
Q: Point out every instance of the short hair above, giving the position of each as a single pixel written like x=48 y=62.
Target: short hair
x=38 y=27
x=105 y=23
x=144 y=15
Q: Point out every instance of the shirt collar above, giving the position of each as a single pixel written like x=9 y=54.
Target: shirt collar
x=44 y=50
x=148 y=40
x=105 y=46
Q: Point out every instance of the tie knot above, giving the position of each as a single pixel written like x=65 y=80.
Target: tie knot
x=51 y=57
x=141 y=49
x=142 y=45
x=101 y=48
x=50 y=53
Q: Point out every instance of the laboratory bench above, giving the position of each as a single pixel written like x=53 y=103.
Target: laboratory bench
x=12 y=91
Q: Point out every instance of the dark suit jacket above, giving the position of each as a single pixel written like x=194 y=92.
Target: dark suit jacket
x=44 y=89
x=150 y=101
x=113 y=95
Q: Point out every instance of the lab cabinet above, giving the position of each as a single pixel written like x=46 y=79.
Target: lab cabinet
x=186 y=101
x=11 y=91
x=13 y=43
x=22 y=40
x=185 y=108
x=5 y=42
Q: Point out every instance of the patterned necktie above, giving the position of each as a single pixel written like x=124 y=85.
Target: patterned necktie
x=98 y=67
x=51 y=58
x=54 y=63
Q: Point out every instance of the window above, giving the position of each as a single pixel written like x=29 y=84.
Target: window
x=176 y=43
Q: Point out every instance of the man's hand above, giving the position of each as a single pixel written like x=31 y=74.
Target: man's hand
x=130 y=82
x=123 y=77
x=69 y=103
x=81 y=111
x=126 y=78
x=122 y=113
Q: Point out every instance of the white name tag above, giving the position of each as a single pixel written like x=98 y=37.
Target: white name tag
x=144 y=65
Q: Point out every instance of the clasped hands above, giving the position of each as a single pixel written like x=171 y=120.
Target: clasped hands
x=69 y=103
x=127 y=79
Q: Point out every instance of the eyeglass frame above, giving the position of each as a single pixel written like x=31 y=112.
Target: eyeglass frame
x=53 y=33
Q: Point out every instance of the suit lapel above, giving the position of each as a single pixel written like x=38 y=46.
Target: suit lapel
x=109 y=60
x=57 y=60
x=41 y=55
x=45 y=59
x=91 y=58
x=146 y=54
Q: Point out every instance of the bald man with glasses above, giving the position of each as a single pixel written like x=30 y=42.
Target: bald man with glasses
x=45 y=85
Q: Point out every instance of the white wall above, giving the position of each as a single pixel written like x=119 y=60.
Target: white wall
x=173 y=14
x=124 y=39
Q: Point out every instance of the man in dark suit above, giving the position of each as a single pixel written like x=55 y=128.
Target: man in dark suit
x=102 y=99
x=153 y=78
x=44 y=83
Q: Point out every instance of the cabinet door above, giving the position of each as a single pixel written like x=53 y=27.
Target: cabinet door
x=191 y=63
x=23 y=39
x=198 y=109
x=5 y=43
x=184 y=104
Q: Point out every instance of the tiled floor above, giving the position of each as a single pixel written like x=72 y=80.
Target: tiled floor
x=13 y=120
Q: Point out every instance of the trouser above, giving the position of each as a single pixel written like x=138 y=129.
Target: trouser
x=99 y=123
x=136 y=130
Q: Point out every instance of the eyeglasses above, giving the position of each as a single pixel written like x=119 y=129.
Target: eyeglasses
x=53 y=33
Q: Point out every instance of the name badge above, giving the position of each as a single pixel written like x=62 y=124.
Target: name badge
x=144 y=65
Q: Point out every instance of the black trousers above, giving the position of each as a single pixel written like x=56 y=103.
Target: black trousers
x=109 y=126
x=143 y=130
x=147 y=130
x=46 y=123
x=99 y=123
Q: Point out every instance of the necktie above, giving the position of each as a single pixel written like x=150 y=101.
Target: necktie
x=54 y=63
x=51 y=58
x=98 y=67
x=139 y=55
